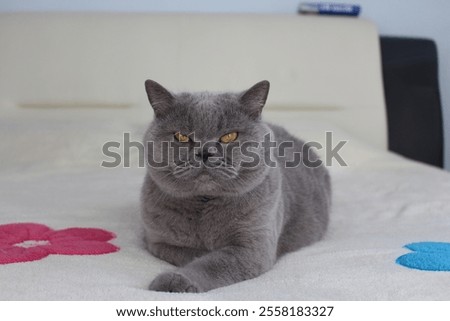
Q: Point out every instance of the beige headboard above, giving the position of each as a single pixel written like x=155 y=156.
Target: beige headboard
x=320 y=67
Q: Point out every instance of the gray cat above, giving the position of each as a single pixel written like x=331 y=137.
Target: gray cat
x=222 y=214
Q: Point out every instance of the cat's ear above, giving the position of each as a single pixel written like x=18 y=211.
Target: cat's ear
x=254 y=99
x=159 y=97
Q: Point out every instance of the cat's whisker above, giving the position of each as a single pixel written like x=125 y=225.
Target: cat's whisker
x=179 y=170
x=181 y=175
x=168 y=174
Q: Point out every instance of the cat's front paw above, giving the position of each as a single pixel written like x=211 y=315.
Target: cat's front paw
x=173 y=282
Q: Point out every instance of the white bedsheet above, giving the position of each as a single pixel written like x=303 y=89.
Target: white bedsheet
x=50 y=174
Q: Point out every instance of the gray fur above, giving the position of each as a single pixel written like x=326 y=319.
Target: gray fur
x=229 y=223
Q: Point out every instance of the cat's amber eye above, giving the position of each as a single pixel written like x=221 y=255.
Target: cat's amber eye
x=228 y=138
x=182 y=138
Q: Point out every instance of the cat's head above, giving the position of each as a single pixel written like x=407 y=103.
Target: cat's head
x=206 y=143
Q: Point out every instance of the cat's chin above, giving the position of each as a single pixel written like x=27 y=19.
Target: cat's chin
x=210 y=182
x=205 y=183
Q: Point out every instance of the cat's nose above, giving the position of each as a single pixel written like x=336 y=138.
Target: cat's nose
x=204 y=155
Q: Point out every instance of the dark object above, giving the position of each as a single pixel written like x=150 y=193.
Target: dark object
x=329 y=8
x=413 y=104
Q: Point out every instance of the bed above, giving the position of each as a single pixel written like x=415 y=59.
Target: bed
x=69 y=83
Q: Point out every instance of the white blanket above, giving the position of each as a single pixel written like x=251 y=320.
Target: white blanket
x=50 y=174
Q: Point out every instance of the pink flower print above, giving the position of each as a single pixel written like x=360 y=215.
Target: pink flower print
x=23 y=242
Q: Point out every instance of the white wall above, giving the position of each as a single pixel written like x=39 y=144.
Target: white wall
x=394 y=17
